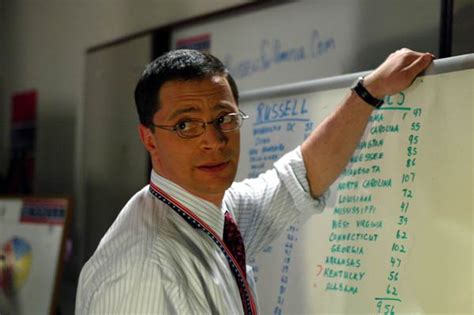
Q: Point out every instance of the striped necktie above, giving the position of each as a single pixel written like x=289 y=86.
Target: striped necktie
x=233 y=240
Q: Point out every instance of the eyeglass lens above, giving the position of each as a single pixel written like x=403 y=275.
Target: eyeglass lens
x=224 y=123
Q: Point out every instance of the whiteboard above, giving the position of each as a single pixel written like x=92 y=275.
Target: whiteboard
x=303 y=40
x=397 y=231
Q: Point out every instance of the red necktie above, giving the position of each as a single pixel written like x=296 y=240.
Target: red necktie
x=233 y=240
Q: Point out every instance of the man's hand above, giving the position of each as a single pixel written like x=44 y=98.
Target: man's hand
x=328 y=149
x=397 y=72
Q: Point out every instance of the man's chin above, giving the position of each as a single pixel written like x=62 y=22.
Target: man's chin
x=213 y=183
x=214 y=187
x=217 y=186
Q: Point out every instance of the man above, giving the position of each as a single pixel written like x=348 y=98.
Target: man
x=175 y=248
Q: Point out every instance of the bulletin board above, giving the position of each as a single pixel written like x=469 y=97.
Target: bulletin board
x=32 y=246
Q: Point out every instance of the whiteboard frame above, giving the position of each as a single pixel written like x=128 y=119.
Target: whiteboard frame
x=439 y=66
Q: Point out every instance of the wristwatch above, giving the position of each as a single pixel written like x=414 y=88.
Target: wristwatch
x=365 y=95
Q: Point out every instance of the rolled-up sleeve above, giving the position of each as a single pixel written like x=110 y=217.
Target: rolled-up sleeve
x=266 y=205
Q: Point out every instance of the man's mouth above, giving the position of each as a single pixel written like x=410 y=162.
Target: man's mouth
x=213 y=167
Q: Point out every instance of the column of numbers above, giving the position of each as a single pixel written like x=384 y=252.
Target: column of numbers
x=399 y=249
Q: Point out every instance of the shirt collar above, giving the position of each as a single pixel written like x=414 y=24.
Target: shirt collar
x=205 y=210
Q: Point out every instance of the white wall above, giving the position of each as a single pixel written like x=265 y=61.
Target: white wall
x=43 y=48
x=112 y=161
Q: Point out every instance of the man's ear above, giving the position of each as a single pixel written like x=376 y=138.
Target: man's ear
x=147 y=138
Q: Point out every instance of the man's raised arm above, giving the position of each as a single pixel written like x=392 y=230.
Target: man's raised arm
x=328 y=149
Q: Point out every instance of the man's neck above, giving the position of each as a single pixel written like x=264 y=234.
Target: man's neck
x=215 y=199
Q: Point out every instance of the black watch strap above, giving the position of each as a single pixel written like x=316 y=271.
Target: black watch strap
x=365 y=95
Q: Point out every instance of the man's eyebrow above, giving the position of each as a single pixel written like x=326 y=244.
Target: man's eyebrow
x=193 y=109
x=181 y=111
x=223 y=105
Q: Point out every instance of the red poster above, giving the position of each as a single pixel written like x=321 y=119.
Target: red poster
x=200 y=42
x=21 y=168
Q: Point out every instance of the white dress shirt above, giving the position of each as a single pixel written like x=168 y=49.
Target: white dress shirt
x=151 y=261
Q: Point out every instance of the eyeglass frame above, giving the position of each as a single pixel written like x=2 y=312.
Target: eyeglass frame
x=213 y=122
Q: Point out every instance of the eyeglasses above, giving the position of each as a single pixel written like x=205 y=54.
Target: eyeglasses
x=191 y=128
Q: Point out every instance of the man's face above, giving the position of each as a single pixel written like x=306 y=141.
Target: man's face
x=205 y=165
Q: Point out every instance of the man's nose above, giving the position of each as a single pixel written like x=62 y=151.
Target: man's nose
x=213 y=138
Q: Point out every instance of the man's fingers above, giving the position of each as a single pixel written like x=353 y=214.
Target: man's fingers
x=419 y=64
x=397 y=72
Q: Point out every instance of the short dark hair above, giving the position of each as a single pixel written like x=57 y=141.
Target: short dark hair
x=181 y=65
